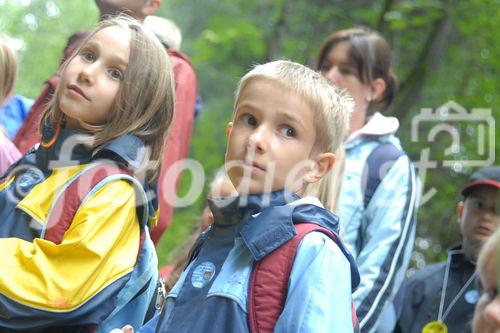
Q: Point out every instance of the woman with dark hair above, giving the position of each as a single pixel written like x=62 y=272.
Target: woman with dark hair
x=378 y=199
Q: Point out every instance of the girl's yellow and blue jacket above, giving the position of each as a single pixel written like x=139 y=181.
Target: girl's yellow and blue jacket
x=97 y=274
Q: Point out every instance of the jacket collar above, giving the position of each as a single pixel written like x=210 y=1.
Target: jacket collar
x=265 y=222
x=377 y=125
x=458 y=258
x=70 y=149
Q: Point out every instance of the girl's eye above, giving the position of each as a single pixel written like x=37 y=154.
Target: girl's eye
x=249 y=119
x=116 y=74
x=288 y=131
x=346 y=70
x=326 y=67
x=88 y=56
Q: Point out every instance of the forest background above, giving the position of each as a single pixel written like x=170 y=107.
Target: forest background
x=446 y=56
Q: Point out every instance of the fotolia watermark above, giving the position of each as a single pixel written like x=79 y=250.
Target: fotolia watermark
x=450 y=119
x=453 y=120
x=68 y=187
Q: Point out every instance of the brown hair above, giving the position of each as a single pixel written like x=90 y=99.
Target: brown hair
x=144 y=105
x=74 y=42
x=8 y=68
x=370 y=54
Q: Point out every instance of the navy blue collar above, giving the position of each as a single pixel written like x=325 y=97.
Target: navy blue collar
x=266 y=221
x=71 y=148
x=458 y=258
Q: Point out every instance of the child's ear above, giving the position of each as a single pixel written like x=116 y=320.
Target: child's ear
x=377 y=89
x=322 y=164
x=151 y=7
x=460 y=211
x=229 y=128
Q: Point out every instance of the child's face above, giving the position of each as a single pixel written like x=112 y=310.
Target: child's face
x=91 y=80
x=272 y=133
x=341 y=72
x=487 y=316
x=478 y=218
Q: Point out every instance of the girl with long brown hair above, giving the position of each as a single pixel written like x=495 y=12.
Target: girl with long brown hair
x=77 y=256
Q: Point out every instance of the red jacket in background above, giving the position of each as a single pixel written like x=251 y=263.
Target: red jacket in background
x=28 y=134
x=179 y=137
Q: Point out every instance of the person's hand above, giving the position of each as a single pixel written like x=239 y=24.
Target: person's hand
x=127 y=329
x=124 y=329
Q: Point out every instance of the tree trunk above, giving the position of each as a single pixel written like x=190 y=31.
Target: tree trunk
x=427 y=61
x=274 y=44
x=380 y=26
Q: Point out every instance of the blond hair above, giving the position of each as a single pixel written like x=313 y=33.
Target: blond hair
x=490 y=251
x=144 y=105
x=332 y=108
x=8 y=68
x=166 y=30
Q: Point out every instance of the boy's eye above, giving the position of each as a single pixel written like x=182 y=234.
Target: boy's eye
x=477 y=204
x=116 y=74
x=249 y=119
x=288 y=131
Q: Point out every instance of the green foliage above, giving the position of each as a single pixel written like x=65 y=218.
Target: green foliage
x=43 y=29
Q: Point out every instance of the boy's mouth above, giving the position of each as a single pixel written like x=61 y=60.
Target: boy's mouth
x=254 y=165
x=484 y=230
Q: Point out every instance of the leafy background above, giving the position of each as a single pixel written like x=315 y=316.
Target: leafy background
x=444 y=51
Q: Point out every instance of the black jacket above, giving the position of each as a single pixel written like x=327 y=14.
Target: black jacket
x=419 y=297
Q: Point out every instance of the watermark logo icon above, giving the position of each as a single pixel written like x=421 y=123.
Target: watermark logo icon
x=476 y=126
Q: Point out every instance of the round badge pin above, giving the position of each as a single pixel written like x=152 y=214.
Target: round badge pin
x=202 y=274
x=472 y=296
x=436 y=326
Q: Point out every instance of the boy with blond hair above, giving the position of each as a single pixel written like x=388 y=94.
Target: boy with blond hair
x=287 y=123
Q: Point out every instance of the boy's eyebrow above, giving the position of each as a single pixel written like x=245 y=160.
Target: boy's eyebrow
x=291 y=118
x=281 y=114
x=115 y=57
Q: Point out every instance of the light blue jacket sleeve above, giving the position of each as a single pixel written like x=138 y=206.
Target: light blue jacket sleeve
x=319 y=295
x=388 y=233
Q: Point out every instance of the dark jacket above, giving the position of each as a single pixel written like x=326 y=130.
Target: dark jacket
x=419 y=298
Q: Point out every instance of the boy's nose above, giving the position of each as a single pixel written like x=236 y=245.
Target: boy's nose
x=490 y=215
x=259 y=139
